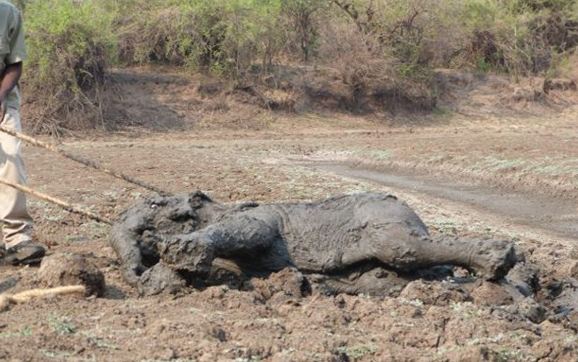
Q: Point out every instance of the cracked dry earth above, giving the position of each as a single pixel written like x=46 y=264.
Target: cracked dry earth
x=429 y=321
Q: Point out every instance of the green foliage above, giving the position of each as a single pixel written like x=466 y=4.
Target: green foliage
x=483 y=65
x=62 y=31
x=303 y=25
x=61 y=325
x=69 y=46
x=228 y=37
x=225 y=37
x=527 y=36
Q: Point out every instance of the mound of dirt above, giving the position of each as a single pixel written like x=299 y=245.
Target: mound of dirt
x=71 y=269
x=435 y=293
x=281 y=286
x=491 y=294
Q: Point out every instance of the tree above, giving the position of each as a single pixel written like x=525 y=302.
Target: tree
x=301 y=14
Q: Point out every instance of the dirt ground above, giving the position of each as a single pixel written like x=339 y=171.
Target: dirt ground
x=464 y=174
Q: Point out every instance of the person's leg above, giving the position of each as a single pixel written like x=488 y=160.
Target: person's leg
x=13 y=213
x=17 y=223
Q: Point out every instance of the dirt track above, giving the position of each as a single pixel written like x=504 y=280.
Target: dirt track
x=467 y=163
x=535 y=212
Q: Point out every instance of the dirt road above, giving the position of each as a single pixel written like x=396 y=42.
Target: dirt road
x=555 y=216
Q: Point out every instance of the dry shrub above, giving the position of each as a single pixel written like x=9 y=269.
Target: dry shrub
x=416 y=33
x=155 y=36
x=484 y=46
x=373 y=75
x=567 y=67
x=171 y=35
x=535 y=44
x=72 y=92
x=556 y=30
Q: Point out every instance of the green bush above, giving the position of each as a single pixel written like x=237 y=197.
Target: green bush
x=519 y=37
x=69 y=45
x=225 y=37
x=525 y=36
x=301 y=18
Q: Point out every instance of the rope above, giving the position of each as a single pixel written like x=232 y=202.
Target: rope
x=65 y=205
x=81 y=160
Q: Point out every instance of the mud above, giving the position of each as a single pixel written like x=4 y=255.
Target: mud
x=433 y=293
x=64 y=269
x=561 y=298
x=284 y=286
x=367 y=243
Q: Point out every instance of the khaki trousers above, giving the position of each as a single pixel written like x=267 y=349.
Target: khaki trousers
x=16 y=222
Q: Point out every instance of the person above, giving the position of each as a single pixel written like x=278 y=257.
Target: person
x=18 y=246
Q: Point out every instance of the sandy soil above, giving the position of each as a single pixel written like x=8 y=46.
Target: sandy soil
x=522 y=160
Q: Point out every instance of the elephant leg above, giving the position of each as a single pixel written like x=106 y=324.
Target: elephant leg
x=239 y=237
x=127 y=248
x=393 y=245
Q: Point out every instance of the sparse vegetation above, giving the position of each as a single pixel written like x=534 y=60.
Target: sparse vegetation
x=357 y=352
x=70 y=45
x=384 y=47
x=61 y=325
x=23 y=332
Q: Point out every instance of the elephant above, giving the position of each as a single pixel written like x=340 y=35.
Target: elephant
x=358 y=243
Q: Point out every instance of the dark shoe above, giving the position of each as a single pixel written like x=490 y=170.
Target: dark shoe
x=25 y=253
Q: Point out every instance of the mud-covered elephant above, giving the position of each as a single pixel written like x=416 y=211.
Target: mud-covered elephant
x=352 y=240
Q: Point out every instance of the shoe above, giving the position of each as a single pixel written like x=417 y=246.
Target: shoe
x=25 y=253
